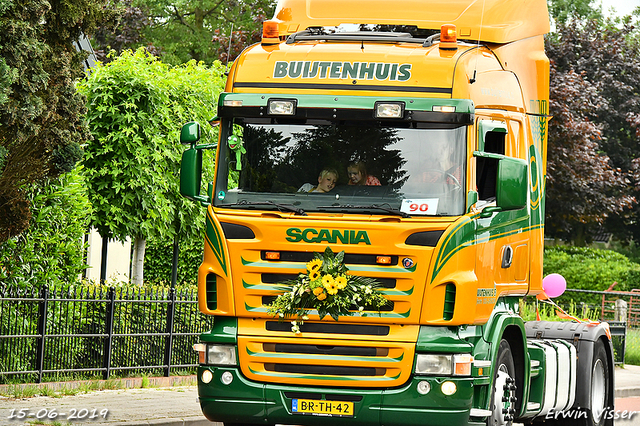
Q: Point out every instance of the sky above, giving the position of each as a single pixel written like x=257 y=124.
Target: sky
x=623 y=7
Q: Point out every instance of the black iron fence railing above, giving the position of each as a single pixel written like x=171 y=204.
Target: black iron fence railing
x=96 y=330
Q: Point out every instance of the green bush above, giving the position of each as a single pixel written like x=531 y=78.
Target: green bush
x=136 y=106
x=590 y=269
x=52 y=250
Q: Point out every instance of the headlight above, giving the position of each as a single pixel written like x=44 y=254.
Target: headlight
x=444 y=365
x=216 y=354
x=434 y=364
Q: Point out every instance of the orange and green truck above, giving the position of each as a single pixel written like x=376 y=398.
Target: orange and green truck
x=428 y=121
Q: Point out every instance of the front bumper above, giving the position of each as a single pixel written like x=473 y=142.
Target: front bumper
x=244 y=401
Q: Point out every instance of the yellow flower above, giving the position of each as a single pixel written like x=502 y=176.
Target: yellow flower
x=318 y=290
x=327 y=280
x=332 y=288
x=341 y=282
x=314 y=265
x=322 y=296
x=314 y=275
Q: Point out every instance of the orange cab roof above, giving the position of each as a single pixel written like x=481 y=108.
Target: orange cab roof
x=492 y=21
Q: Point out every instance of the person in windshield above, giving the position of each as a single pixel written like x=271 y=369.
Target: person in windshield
x=326 y=182
x=358 y=175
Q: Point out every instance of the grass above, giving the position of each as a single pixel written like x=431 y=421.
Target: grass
x=632 y=354
x=18 y=391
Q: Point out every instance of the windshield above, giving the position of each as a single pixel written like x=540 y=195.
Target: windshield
x=359 y=168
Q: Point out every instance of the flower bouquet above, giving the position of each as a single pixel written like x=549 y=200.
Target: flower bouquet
x=327 y=287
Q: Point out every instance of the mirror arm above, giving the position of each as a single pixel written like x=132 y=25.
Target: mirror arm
x=489 y=211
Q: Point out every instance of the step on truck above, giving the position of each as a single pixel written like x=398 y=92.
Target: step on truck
x=409 y=137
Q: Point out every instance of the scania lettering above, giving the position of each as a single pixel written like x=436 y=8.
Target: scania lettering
x=442 y=107
x=327 y=236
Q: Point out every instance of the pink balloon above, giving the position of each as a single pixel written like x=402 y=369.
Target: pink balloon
x=554 y=285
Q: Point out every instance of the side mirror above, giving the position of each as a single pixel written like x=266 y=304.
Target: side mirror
x=190 y=133
x=191 y=175
x=513 y=184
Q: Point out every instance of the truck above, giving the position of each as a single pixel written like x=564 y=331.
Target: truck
x=419 y=130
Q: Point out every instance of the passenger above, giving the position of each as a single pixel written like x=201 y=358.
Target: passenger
x=326 y=182
x=358 y=175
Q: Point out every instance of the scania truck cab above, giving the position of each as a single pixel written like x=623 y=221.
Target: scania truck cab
x=429 y=118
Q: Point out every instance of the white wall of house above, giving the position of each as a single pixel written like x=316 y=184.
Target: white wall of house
x=118 y=259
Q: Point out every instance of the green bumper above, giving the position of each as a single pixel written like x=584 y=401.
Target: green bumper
x=244 y=401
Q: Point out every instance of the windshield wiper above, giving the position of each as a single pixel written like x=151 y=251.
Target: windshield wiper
x=281 y=207
x=382 y=207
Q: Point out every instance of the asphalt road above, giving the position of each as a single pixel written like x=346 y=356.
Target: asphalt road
x=178 y=406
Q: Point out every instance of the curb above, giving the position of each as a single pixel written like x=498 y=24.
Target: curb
x=627 y=392
x=188 y=421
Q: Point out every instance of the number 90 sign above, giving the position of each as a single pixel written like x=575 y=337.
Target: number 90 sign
x=424 y=206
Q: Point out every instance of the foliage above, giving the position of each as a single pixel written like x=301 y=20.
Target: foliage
x=606 y=58
x=327 y=287
x=590 y=269
x=562 y=11
x=124 y=31
x=41 y=113
x=179 y=31
x=548 y=313
x=632 y=351
x=140 y=315
x=582 y=187
x=52 y=250
x=136 y=106
x=159 y=260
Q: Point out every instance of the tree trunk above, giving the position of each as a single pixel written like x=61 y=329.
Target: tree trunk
x=137 y=269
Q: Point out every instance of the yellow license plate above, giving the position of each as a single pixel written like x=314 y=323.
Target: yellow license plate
x=322 y=408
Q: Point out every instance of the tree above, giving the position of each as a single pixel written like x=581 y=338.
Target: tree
x=136 y=106
x=607 y=59
x=179 y=31
x=582 y=187
x=562 y=11
x=124 y=31
x=41 y=113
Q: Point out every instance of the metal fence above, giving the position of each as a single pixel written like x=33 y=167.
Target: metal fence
x=95 y=330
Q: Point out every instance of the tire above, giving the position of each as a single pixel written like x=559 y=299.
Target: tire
x=503 y=394
x=600 y=383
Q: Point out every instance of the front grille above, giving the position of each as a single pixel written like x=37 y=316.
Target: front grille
x=326 y=350
x=323 y=370
x=326 y=354
x=330 y=328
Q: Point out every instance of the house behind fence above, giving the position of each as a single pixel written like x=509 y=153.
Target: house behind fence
x=82 y=332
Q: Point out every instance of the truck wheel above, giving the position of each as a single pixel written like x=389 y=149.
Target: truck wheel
x=503 y=395
x=599 y=386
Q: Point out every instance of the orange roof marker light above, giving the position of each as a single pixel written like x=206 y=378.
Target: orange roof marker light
x=448 y=37
x=270 y=32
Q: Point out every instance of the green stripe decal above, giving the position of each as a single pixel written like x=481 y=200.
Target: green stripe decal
x=262 y=309
x=285 y=356
x=332 y=378
x=214 y=239
x=461 y=236
x=280 y=265
x=464 y=235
